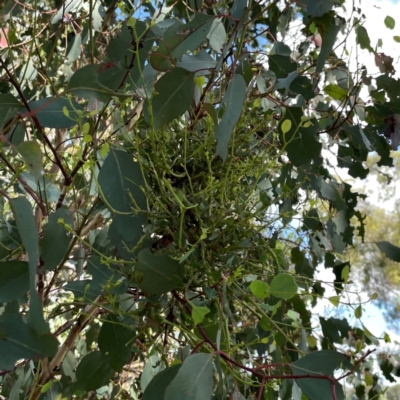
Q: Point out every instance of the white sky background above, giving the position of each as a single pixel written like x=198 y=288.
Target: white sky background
x=375 y=12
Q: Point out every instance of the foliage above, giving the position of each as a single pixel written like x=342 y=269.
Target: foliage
x=167 y=197
x=377 y=272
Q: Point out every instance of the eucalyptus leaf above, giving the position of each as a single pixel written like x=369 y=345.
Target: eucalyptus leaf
x=25 y=220
x=193 y=380
x=233 y=101
x=159 y=272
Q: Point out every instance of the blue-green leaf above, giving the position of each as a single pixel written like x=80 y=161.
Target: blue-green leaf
x=27 y=229
x=55 y=240
x=233 y=101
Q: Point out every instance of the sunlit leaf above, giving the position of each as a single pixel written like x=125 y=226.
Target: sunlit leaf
x=283 y=286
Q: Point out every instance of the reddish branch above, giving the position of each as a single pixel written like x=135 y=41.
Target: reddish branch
x=262 y=376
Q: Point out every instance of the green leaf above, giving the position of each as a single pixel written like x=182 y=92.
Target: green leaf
x=323 y=362
x=329 y=27
x=9 y=107
x=335 y=300
x=194 y=379
x=363 y=38
x=14 y=280
x=160 y=273
x=174 y=96
x=217 y=35
x=98 y=81
x=18 y=341
x=335 y=92
x=201 y=62
x=282 y=66
x=115 y=341
x=396 y=39
x=260 y=289
x=50 y=112
x=391 y=251
x=132 y=44
x=120 y=177
x=75 y=50
x=179 y=39
x=23 y=215
x=266 y=324
x=32 y=156
x=158 y=385
x=93 y=371
x=55 y=242
x=286 y=126
x=301 y=144
x=284 y=83
x=86 y=289
x=73 y=5
x=124 y=234
x=283 y=286
x=302 y=85
x=233 y=101
x=358 y=312
x=390 y=22
x=317 y=8
x=198 y=314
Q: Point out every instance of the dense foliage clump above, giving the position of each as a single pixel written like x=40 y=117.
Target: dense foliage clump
x=169 y=191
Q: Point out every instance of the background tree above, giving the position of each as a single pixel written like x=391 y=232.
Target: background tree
x=371 y=269
x=163 y=175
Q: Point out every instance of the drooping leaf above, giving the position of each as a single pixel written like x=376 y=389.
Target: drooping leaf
x=174 y=96
x=9 y=107
x=283 y=286
x=363 y=38
x=18 y=341
x=390 y=250
x=14 y=280
x=55 y=242
x=217 y=35
x=320 y=363
x=75 y=50
x=120 y=178
x=158 y=385
x=32 y=156
x=50 y=112
x=194 y=379
x=233 y=101
x=115 y=341
x=27 y=229
x=93 y=371
x=160 y=273
x=329 y=27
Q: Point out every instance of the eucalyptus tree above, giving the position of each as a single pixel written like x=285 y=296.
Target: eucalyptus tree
x=168 y=194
